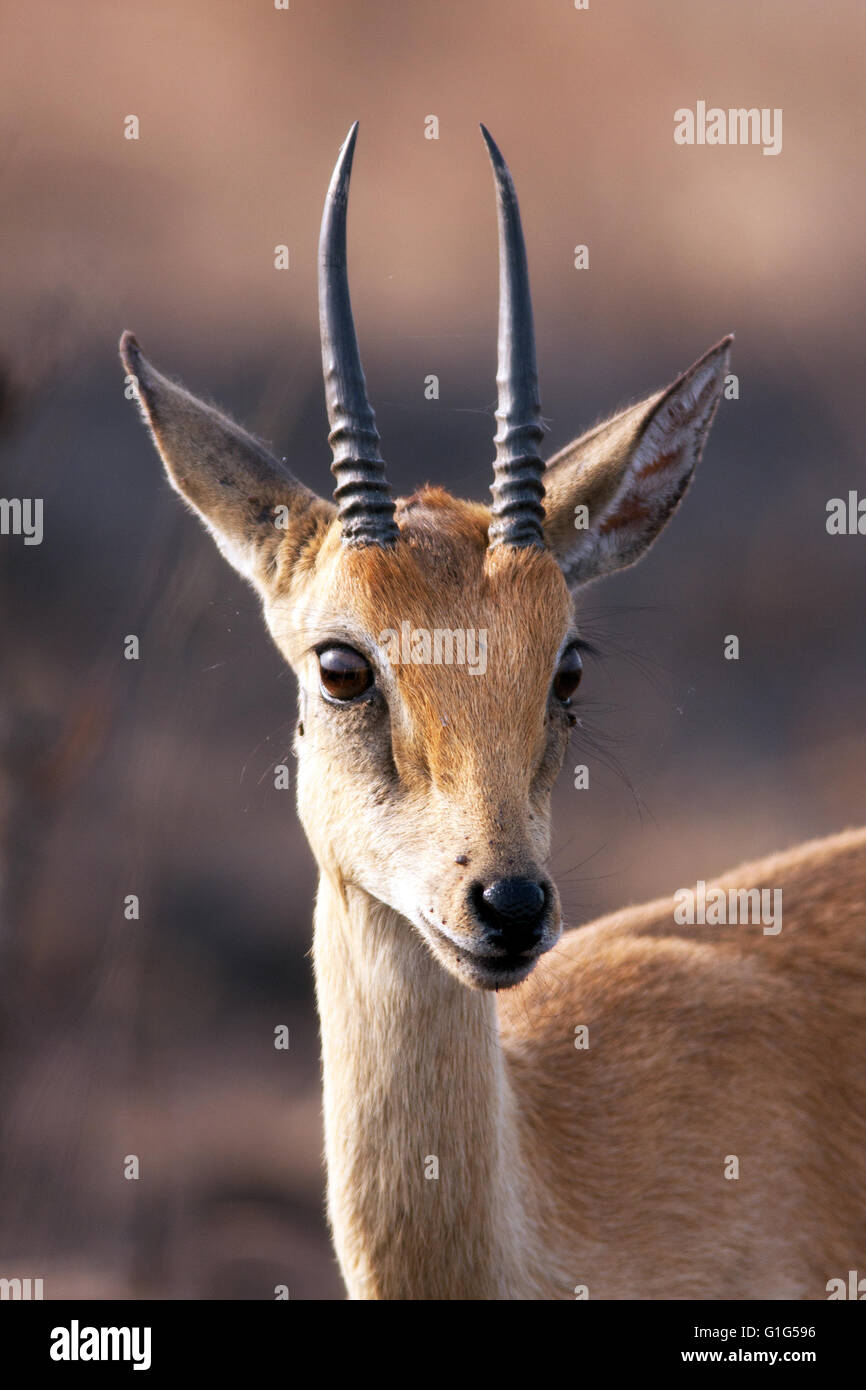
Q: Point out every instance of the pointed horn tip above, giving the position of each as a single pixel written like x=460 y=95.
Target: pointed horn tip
x=347 y=149
x=492 y=148
x=502 y=177
x=338 y=189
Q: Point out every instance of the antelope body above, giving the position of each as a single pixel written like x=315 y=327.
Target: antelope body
x=473 y=1150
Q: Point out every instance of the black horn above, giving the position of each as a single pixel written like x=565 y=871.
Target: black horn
x=517 y=488
x=363 y=498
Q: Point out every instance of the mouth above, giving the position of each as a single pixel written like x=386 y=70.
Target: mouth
x=483 y=970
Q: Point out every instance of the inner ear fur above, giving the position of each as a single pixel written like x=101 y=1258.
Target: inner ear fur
x=630 y=473
x=259 y=514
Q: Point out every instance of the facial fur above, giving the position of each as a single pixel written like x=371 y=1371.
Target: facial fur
x=431 y=792
x=439 y=778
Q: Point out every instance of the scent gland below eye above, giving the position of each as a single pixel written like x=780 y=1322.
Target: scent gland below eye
x=568 y=674
x=344 y=673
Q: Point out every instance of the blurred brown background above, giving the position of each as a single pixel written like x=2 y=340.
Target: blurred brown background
x=156 y=777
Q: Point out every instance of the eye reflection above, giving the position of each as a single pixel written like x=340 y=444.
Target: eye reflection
x=344 y=673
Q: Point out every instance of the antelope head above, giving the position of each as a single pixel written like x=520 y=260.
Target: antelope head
x=425 y=771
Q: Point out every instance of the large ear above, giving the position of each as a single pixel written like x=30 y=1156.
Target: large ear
x=248 y=500
x=630 y=473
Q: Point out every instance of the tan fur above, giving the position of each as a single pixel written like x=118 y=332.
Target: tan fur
x=473 y=1151
x=560 y=1167
x=604 y=1168
x=704 y=1041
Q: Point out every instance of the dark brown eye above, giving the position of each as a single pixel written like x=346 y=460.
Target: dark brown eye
x=568 y=674
x=345 y=674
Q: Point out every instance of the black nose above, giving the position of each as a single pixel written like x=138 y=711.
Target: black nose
x=513 y=911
